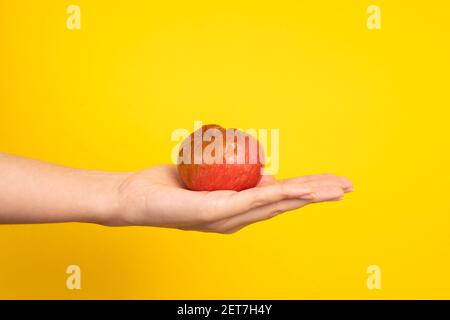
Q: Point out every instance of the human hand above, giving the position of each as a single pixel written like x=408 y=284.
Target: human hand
x=157 y=197
x=33 y=191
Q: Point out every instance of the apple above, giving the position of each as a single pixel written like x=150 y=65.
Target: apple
x=215 y=158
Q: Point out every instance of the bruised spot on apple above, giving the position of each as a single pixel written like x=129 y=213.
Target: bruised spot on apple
x=215 y=158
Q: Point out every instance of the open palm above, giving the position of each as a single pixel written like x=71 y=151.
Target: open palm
x=157 y=197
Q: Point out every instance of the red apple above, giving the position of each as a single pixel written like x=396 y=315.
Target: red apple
x=213 y=158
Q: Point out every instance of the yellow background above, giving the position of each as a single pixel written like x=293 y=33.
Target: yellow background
x=372 y=105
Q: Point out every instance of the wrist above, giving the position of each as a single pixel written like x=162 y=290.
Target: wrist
x=105 y=205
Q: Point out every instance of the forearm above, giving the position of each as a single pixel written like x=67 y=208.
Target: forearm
x=32 y=191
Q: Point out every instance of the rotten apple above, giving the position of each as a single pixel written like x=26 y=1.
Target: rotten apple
x=215 y=158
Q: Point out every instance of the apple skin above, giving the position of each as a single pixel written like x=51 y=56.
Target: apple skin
x=220 y=176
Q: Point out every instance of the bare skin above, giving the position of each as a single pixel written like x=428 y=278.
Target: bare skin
x=33 y=191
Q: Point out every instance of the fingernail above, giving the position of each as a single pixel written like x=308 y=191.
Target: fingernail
x=346 y=183
x=350 y=189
